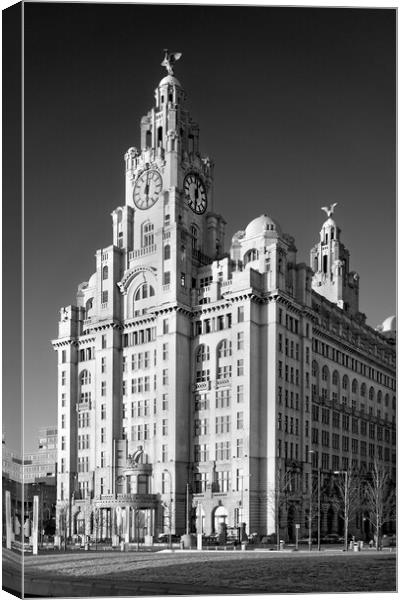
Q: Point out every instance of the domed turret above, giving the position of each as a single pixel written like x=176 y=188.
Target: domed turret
x=388 y=327
x=261 y=225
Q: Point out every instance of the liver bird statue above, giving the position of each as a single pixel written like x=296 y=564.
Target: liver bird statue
x=329 y=210
x=170 y=59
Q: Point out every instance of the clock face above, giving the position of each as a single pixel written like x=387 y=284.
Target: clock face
x=195 y=193
x=147 y=189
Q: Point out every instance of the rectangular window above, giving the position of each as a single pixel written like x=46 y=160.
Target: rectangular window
x=164 y=426
x=167 y=278
x=239 y=420
x=63 y=425
x=240 y=367
x=63 y=356
x=104 y=296
x=239 y=393
x=165 y=377
x=63 y=378
x=240 y=314
x=239 y=448
x=164 y=453
x=223 y=479
x=103 y=388
x=103 y=364
x=63 y=400
x=103 y=342
x=164 y=351
x=165 y=326
x=240 y=340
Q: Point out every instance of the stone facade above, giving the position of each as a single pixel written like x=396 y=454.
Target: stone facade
x=182 y=364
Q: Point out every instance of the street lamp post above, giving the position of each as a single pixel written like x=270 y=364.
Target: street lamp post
x=319 y=490
x=311 y=452
x=345 y=507
x=170 y=507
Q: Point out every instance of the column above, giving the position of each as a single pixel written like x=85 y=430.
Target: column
x=127 y=532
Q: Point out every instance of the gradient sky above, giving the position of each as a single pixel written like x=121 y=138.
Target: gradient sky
x=296 y=107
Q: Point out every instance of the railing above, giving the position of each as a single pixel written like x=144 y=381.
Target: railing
x=201 y=385
x=202 y=258
x=166 y=287
x=142 y=251
x=104 y=305
x=166 y=235
x=223 y=381
x=104 y=256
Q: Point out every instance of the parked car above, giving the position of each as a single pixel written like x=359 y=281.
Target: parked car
x=331 y=538
x=164 y=538
x=389 y=541
x=305 y=540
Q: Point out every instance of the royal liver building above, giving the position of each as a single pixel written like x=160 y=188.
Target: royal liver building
x=193 y=382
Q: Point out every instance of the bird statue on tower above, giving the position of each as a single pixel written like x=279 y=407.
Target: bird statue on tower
x=170 y=59
x=329 y=210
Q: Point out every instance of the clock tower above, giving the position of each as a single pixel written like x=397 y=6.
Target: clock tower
x=168 y=195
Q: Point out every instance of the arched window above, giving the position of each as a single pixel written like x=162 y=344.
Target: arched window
x=144 y=291
x=85 y=377
x=345 y=382
x=363 y=390
x=167 y=252
x=148 y=234
x=379 y=397
x=325 y=373
x=315 y=368
x=354 y=386
x=224 y=349
x=159 y=136
x=105 y=272
x=202 y=354
x=88 y=307
x=250 y=256
x=195 y=235
x=371 y=394
x=335 y=378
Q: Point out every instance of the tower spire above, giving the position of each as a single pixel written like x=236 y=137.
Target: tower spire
x=330 y=262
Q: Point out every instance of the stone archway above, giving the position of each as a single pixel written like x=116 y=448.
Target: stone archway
x=220 y=516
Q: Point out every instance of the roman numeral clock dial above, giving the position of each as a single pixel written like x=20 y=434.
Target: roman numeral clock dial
x=147 y=189
x=195 y=193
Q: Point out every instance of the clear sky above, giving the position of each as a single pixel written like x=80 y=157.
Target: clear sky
x=296 y=107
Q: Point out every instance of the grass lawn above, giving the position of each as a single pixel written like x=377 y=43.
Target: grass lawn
x=238 y=572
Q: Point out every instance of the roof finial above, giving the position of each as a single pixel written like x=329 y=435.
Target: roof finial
x=169 y=60
x=329 y=210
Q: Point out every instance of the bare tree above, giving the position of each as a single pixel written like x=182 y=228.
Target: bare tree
x=380 y=499
x=347 y=498
x=278 y=496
